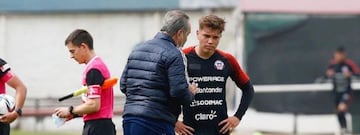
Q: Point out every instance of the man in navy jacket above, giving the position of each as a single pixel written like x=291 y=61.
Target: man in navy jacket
x=155 y=81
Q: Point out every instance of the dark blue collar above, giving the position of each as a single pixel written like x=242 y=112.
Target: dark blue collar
x=164 y=36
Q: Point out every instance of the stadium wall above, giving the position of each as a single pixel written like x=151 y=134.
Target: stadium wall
x=33 y=43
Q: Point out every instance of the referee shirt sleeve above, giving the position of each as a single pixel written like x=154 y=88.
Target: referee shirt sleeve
x=94 y=81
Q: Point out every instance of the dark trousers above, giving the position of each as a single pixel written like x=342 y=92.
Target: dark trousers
x=4 y=129
x=211 y=129
x=146 y=126
x=99 y=127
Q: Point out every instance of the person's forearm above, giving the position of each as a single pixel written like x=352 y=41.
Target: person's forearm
x=20 y=89
x=90 y=106
x=20 y=96
x=247 y=96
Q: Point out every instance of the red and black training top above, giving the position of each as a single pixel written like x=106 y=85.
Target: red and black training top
x=209 y=107
x=342 y=84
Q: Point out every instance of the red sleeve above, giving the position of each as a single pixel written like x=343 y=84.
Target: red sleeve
x=188 y=50
x=237 y=74
x=353 y=66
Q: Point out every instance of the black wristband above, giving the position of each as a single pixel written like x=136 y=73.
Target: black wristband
x=19 y=111
x=71 y=108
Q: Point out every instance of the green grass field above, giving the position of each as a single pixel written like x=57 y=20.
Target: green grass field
x=20 y=132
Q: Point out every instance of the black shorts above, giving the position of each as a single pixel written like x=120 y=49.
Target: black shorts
x=4 y=129
x=341 y=97
x=99 y=127
x=209 y=130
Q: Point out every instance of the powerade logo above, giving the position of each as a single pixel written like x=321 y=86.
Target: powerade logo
x=207 y=79
x=204 y=116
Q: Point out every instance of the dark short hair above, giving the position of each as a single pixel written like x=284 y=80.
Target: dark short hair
x=340 y=49
x=212 y=21
x=79 y=36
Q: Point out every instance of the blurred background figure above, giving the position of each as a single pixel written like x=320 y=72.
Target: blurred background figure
x=340 y=70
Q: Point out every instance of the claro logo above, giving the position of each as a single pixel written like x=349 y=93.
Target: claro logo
x=202 y=116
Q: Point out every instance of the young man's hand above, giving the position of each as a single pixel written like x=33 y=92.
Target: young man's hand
x=182 y=129
x=330 y=73
x=229 y=124
x=63 y=112
x=347 y=74
x=9 y=117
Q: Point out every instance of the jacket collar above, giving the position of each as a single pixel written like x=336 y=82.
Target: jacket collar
x=164 y=36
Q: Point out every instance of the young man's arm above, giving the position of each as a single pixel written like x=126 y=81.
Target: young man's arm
x=94 y=81
x=330 y=72
x=6 y=75
x=242 y=80
x=354 y=67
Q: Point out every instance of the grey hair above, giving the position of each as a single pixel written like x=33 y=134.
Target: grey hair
x=175 y=20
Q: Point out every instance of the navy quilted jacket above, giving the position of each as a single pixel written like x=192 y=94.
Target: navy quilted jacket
x=154 y=80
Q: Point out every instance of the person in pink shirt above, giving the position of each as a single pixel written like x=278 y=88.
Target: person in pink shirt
x=97 y=106
x=8 y=77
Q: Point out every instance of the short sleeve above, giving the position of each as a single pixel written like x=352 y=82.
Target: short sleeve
x=237 y=75
x=94 y=81
x=5 y=71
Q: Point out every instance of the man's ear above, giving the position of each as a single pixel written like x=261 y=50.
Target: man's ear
x=83 y=45
x=179 y=32
x=198 y=34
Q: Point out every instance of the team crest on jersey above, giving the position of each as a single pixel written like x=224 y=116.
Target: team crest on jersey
x=219 y=65
x=4 y=68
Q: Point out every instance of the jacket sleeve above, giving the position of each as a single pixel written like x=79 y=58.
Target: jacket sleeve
x=123 y=80
x=179 y=87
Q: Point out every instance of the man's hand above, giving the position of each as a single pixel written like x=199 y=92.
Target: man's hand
x=229 y=124
x=182 y=129
x=193 y=88
x=342 y=107
x=9 y=117
x=63 y=112
x=347 y=74
x=330 y=73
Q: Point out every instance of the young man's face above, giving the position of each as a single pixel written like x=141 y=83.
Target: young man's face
x=208 y=39
x=339 y=56
x=77 y=52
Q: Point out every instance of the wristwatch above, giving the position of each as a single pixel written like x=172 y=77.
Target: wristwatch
x=71 y=108
x=19 y=111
